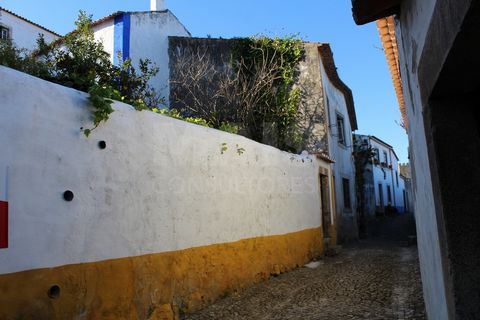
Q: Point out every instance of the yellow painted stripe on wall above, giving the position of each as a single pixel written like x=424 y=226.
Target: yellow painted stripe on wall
x=140 y=287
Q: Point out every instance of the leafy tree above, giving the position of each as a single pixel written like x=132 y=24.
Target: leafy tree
x=80 y=62
x=363 y=155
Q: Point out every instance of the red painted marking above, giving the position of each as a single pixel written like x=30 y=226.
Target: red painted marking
x=3 y=224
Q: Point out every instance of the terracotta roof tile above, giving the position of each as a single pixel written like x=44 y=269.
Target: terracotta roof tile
x=386 y=29
x=325 y=157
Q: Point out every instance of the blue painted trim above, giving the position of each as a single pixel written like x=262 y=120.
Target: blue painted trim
x=121 y=37
x=126 y=36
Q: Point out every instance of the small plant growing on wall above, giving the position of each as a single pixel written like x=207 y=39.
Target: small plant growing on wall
x=223 y=148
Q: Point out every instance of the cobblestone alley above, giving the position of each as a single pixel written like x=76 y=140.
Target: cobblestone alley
x=376 y=279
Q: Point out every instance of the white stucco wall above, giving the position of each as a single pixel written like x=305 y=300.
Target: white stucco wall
x=23 y=33
x=104 y=33
x=387 y=177
x=149 y=39
x=149 y=32
x=160 y=185
x=411 y=33
x=344 y=167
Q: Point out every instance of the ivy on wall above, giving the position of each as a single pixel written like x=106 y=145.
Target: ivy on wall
x=269 y=68
x=248 y=82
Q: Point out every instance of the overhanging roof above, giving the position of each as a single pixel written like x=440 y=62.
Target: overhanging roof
x=386 y=28
x=365 y=11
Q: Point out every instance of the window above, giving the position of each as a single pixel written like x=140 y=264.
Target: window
x=376 y=158
x=396 y=176
x=341 y=130
x=389 y=195
x=346 y=194
x=4 y=33
x=385 y=158
x=380 y=195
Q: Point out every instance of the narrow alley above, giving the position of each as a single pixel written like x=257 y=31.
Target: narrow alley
x=375 y=279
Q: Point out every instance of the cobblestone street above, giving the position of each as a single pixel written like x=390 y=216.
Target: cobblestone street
x=372 y=280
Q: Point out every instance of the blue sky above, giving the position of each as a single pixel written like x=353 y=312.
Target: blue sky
x=357 y=49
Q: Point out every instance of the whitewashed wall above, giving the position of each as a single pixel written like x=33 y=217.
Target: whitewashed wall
x=387 y=177
x=342 y=154
x=399 y=196
x=160 y=185
x=148 y=34
x=149 y=39
x=23 y=33
x=105 y=33
x=411 y=34
x=344 y=167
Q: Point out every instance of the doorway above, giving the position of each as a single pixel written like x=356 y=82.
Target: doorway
x=325 y=206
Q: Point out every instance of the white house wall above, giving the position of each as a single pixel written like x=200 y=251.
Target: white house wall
x=387 y=177
x=149 y=39
x=411 y=39
x=160 y=187
x=142 y=35
x=344 y=165
x=104 y=33
x=23 y=33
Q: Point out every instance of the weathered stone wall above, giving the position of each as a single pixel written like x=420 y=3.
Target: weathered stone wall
x=312 y=114
x=312 y=110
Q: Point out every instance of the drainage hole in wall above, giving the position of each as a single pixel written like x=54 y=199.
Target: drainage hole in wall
x=54 y=292
x=68 y=195
x=102 y=144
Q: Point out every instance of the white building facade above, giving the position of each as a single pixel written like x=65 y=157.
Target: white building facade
x=142 y=35
x=23 y=32
x=341 y=120
x=388 y=184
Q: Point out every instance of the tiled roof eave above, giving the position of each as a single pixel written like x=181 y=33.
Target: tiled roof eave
x=329 y=64
x=386 y=29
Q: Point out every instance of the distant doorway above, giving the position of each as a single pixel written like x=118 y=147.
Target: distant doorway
x=380 y=195
x=325 y=199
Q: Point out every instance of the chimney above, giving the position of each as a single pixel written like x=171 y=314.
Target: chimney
x=157 y=5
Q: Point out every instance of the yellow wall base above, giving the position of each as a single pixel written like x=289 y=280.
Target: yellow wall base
x=155 y=286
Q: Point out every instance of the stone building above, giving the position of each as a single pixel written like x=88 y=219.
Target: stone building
x=431 y=48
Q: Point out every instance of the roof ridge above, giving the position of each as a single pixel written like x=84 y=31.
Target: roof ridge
x=328 y=62
x=29 y=21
